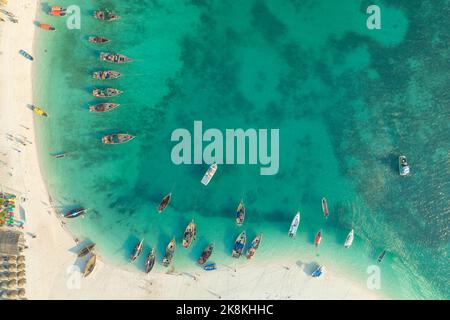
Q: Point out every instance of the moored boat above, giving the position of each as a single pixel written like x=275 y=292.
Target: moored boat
x=98 y=39
x=381 y=256
x=58 y=13
x=57 y=8
x=206 y=254
x=325 y=207
x=106 y=75
x=60 y=155
x=209 y=174
x=240 y=213
x=403 y=166
x=294 y=225
x=105 y=15
x=150 y=262
x=189 y=234
x=170 y=251
x=254 y=246
x=90 y=265
x=103 y=107
x=74 y=213
x=137 y=250
x=114 y=57
x=106 y=92
x=39 y=111
x=318 y=238
x=164 y=202
x=85 y=250
x=117 y=138
x=239 y=245
x=318 y=272
x=349 y=239
x=26 y=55
x=46 y=27
x=210 y=267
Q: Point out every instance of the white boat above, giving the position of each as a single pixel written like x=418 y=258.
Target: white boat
x=403 y=166
x=294 y=225
x=349 y=239
x=209 y=174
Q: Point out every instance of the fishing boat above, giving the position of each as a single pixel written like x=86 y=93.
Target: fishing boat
x=381 y=256
x=240 y=213
x=90 y=265
x=57 y=8
x=103 y=107
x=106 y=75
x=325 y=207
x=58 y=13
x=164 y=203
x=38 y=111
x=85 y=250
x=114 y=57
x=318 y=238
x=239 y=245
x=254 y=246
x=189 y=234
x=46 y=27
x=170 y=250
x=74 y=213
x=294 y=225
x=349 y=239
x=150 y=262
x=26 y=55
x=105 y=15
x=98 y=39
x=60 y=155
x=318 y=272
x=209 y=174
x=210 y=267
x=117 y=138
x=105 y=93
x=403 y=166
x=137 y=250
x=206 y=254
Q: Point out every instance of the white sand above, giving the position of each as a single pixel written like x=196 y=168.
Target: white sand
x=48 y=259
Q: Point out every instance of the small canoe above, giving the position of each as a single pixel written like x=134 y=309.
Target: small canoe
x=26 y=55
x=239 y=245
x=106 y=92
x=57 y=8
x=318 y=272
x=39 y=111
x=46 y=27
x=59 y=155
x=189 y=234
x=240 y=213
x=254 y=246
x=209 y=174
x=164 y=203
x=105 y=15
x=103 y=107
x=114 y=57
x=90 y=265
x=170 y=251
x=210 y=267
x=150 y=262
x=318 y=238
x=403 y=166
x=117 y=138
x=58 y=13
x=106 y=75
x=381 y=256
x=74 y=213
x=84 y=251
x=349 y=239
x=206 y=254
x=294 y=225
x=137 y=250
x=325 y=207
x=98 y=39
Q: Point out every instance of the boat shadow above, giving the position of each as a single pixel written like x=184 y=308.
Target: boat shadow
x=229 y=239
x=390 y=161
x=80 y=245
x=45 y=7
x=129 y=245
x=308 y=267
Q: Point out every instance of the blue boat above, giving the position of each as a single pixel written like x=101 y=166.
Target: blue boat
x=26 y=55
x=318 y=272
x=210 y=266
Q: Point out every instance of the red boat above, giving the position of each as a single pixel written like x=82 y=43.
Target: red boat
x=165 y=201
x=58 y=13
x=98 y=39
x=318 y=238
x=325 y=207
x=46 y=27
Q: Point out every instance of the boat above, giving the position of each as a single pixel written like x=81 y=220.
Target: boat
x=57 y=8
x=38 y=111
x=106 y=75
x=403 y=166
x=240 y=213
x=206 y=254
x=239 y=245
x=105 y=93
x=164 y=202
x=210 y=266
x=60 y=155
x=254 y=246
x=114 y=57
x=46 y=27
x=98 y=39
x=381 y=256
x=137 y=250
x=325 y=207
x=209 y=174
x=318 y=272
x=117 y=138
x=189 y=234
x=84 y=251
x=103 y=107
x=170 y=250
x=26 y=55
x=58 y=13
x=90 y=265
x=349 y=239
x=74 y=213
x=294 y=225
x=105 y=15
x=150 y=262
x=318 y=238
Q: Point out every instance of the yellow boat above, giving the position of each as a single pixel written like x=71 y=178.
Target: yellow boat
x=39 y=111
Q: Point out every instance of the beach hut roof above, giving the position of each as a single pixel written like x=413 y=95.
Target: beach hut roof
x=9 y=242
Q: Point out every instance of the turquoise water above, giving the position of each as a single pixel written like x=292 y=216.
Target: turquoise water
x=347 y=101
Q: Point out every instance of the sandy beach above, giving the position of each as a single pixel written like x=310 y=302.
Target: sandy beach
x=51 y=264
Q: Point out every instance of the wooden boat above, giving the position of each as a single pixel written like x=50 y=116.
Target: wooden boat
x=98 y=39
x=26 y=55
x=209 y=174
x=105 y=15
x=164 y=202
x=318 y=238
x=103 y=107
x=74 y=213
x=240 y=213
x=105 y=93
x=46 y=27
x=349 y=239
x=58 y=13
x=170 y=250
x=117 y=138
x=106 y=75
x=210 y=267
x=137 y=250
x=381 y=256
x=90 y=265
x=294 y=225
x=318 y=272
x=206 y=254
x=189 y=234
x=150 y=262
x=57 y=8
x=38 y=111
x=114 y=57
x=254 y=246
x=403 y=166
x=325 y=207
x=84 y=251
x=60 y=155
x=239 y=245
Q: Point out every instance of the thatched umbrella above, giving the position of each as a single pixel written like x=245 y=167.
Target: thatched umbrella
x=4 y=294
x=12 y=259
x=12 y=284
x=3 y=276
x=22 y=282
x=12 y=267
x=21 y=293
x=21 y=266
x=3 y=284
x=12 y=276
x=12 y=294
x=21 y=259
x=21 y=274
